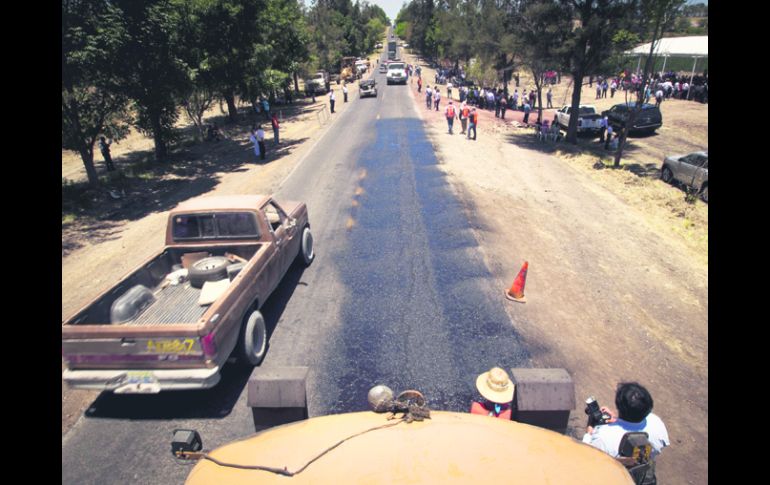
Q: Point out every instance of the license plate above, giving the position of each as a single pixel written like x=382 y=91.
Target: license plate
x=139 y=383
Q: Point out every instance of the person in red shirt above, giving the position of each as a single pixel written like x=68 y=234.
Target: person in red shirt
x=274 y=120
x=496 y=390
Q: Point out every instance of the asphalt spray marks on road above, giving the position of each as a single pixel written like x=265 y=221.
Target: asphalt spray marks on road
x=418 y=313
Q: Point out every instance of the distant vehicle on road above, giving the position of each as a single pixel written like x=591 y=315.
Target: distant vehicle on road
x=691 y=170
x=588 y=119
x=648 y=120
x=384 y=67
x=367 y=87
x=396 y=73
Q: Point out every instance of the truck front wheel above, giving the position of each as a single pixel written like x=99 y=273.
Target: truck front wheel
x=306 y=251
x=254 y=340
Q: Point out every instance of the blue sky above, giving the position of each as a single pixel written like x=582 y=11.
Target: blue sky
x=391 y=7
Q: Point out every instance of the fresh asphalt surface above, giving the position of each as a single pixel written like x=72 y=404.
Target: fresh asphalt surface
x=398 y=295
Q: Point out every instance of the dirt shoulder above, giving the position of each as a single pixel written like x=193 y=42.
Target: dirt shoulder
x=110 y=237
x=615 y=291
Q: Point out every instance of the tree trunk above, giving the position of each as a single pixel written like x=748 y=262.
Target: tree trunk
x=88 y=161
x=232 y=110
x=577 y=88
x=296 y=83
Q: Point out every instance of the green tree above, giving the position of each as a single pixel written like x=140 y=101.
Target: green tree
x=589 y=44
x=92 y=34
x=657 y=16
x=541 y=31
x=155 y=76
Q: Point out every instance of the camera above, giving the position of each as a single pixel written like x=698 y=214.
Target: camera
x=595 y=415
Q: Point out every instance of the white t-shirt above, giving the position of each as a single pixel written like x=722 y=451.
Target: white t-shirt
x=260 y=135
x=606 y=437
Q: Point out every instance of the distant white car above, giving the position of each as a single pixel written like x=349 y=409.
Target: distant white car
x=396 y=73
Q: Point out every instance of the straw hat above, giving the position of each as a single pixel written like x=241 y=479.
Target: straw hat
x=495 y=386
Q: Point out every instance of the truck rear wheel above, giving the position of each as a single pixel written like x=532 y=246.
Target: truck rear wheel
x=254 y=340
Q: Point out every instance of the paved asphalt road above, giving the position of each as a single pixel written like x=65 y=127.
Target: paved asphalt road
x=398 y=295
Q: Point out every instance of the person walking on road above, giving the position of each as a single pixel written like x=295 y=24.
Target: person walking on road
x=549 y=97
x=437 y=97
x=345 y=93
x=464 y=113
x=428 y=96
x=526 y=111
x=276 y=125
x=258 y=139
x=613 y=88
x=609 y=137
x=603 y=125
x=266 y=108
x=503 y=105
x=331 y=100
x=450 y=114
x=104 y=147
x=474 y=121
x=419 y=84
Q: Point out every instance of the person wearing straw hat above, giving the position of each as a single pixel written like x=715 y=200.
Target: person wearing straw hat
x=496 y=389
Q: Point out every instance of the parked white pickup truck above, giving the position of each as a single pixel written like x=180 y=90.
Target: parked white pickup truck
x=588 y=119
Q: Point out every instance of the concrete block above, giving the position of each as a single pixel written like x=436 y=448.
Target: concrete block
x=544 y=397
x=278 y=387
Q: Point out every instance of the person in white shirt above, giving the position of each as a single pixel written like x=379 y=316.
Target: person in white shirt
x=258 y=139
x=634 y=414
x=449 y=90
x=345 y=92
x=331 y=100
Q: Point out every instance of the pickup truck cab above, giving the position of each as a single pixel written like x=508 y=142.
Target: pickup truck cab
x=396 y=73
x=319 y=83
x=173 y=322
x=589 y=121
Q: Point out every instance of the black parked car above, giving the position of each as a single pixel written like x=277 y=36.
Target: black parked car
x=649 y=118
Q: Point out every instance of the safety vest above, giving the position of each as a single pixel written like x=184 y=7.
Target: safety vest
x=466 y=112
x=475 y=118
x=450 y=111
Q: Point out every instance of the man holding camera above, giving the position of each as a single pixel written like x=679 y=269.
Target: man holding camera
x=605 y=429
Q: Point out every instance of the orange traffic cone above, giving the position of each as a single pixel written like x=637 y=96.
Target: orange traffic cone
x=516 y=293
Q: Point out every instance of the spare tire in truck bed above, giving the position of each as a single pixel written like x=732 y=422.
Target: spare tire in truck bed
x=213 y=268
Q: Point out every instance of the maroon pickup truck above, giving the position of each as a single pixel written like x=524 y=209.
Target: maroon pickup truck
x=173 y=322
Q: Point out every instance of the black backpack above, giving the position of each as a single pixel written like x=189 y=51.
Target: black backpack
x=634 y=453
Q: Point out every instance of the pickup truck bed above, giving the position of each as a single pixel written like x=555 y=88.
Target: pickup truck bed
x=174 y=304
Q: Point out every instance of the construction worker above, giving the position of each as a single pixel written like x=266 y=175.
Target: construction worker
x=464 y=113
x=496 y=390
x=450 y=114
